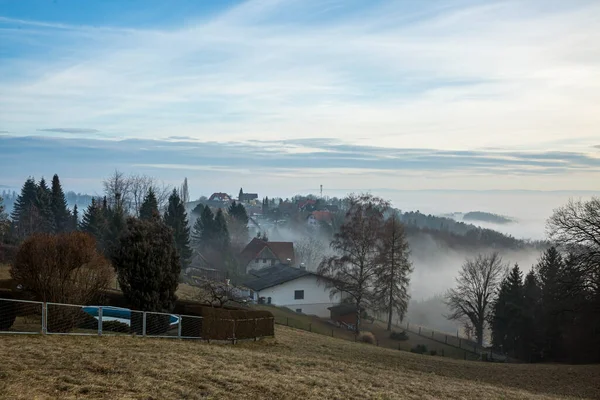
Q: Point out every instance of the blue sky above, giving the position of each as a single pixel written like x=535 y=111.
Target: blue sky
x=486 y=95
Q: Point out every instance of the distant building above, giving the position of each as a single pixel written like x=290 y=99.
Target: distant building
x=220 y=197
x=247 y=197
x=317 y=217
x=260 y=254
x=294 y=288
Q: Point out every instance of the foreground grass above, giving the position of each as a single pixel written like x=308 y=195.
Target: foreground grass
x=296 y=364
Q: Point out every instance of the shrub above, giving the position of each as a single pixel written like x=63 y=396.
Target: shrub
x=419 y=349
x=72 y=269
x=147 y=265
x=433 y=353
x=399 y=336
x=367 y=337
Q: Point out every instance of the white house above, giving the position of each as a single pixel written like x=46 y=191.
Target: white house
x=294 y=288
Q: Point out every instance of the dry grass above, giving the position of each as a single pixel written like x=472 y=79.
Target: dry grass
x=4 y=272
x=296 y=364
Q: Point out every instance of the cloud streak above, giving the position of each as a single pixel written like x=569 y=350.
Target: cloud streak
x=69 y=130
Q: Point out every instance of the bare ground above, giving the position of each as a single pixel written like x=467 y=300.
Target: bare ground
x=296 y=364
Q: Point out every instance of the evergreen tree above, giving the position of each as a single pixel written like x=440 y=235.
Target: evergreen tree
x=239 y=223
x=531 y=331
x=549 y=269
x=148 y=268
x=25 y=215
x=507 y=313
x=4 y=223
x=149 y=207
x=221 y=239
x=94 y=222
x=176 y=219
x=44 y=206
x=61 y=216
x=115 y=226
x=74 y=218
x=207 y=222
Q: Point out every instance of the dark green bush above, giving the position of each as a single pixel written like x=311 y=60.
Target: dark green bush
x=419 y=349
x=433 y=353
x=399 y=336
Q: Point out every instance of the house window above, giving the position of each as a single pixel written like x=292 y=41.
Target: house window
x=299 y=310
x=264 y=260
x=256 y=261
x=268 y=300
x=299 y=295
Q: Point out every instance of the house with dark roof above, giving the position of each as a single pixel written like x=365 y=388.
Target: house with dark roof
x=246 y=197
x=295 y=288
x=260 y=254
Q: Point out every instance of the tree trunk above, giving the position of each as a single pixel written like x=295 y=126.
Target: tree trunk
x=479 y=333
x=357 y=326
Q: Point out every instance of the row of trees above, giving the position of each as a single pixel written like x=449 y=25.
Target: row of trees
x=371 y=265
x=551 y=314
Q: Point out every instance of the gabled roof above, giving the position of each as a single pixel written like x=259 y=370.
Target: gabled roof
x=273 y=276
x=282 y=250
x=322 y=216
x=219 y=195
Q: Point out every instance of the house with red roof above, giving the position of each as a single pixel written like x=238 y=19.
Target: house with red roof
x=260 y=254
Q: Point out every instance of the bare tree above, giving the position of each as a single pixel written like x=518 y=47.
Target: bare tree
x=118 y=190
x=217 y=294
x=353 y=270
x=392 y=277
x=477 y=283
x=132 y=191
x=577 y=227
x=310 y=251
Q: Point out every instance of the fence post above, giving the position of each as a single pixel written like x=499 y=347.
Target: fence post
x=179 y=327
x=446 y=339
x=144 y=323
x=332 y=332
x=233 y=337
x=419 y=330
x=310 y=327
x=255 y=322
x=287 y=321
x=44 y=318
x=100 y=321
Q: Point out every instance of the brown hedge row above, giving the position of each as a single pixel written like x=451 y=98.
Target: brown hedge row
x=224 y=324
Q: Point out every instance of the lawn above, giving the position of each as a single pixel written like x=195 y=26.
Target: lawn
x=296 y=364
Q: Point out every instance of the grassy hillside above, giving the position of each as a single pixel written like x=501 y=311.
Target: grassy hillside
x=288 y=317
x=296 y=364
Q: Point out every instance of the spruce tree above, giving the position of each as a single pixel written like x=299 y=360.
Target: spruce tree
x=74 y=218
x=221 y=239
x=115 y=226
x=207 y=221
x=239 y=223
x=25 y=215
x=44 y=206
x=531 y=331
x=94 y=222
x=176 y=218
x=508 y=313
x=549 y=270
x=198 y=227
x=149 y=207
x=62 y=220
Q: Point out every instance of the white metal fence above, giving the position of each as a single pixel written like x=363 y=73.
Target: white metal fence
x=32 y=317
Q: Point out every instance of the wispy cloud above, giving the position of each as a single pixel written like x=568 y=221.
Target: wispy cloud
x=464 y=75
x=69 y=130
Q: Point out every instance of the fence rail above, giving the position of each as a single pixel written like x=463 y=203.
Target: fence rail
x=46 y=318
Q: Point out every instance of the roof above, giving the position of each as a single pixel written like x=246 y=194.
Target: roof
x=248 y=196
x=219 y=195
x=273 y=276
x=322 y=216
x=283 y=250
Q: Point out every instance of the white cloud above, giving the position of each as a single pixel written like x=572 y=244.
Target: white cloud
x=505 y=74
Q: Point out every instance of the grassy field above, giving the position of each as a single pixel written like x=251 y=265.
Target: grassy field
x=295 y=364
x=286 y=316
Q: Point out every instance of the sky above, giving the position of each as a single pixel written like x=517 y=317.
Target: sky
x=281 y=96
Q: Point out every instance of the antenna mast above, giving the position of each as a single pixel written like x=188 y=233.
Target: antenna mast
x=321 y=191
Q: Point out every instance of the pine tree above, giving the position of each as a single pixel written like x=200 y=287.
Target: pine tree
x=222 y=240
x=74 y=218
x=176 y=218
x=61 y=216
x=508 y=313
x=115 y=226
x=207 y=221
x=149 y=207
x=44 y=206
x=4 y=223
x=239 y=223
x=549 y=269
x=25 y=215
x=531 y=332
x=94 y=222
